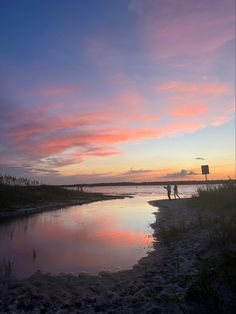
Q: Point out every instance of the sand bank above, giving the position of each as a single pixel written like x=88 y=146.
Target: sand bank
x=158 y=283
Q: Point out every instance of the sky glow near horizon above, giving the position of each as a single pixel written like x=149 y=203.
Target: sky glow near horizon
x=104 y=91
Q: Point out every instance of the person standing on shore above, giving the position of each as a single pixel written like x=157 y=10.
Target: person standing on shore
x=176 y=194
x=168 y=188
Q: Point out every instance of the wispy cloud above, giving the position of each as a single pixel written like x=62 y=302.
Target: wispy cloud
x=193 y=99
x=199 y=89
x=186 y=110
x=27 y=170
x=181 y=174
x=136 y=172
x=60 y=90
x=187 y=33
x=61 y=138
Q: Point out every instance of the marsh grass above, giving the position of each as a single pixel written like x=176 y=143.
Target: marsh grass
x=216 y=210
x=217 y=199
x=13 y=197
x=215 y=286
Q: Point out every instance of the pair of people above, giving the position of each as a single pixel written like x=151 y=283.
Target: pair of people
x=168 y=188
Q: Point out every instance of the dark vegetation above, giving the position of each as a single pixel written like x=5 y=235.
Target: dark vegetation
x=215 y=287
x=11 y=180
x=18 y=193
x=216 y=211
x=12 y=197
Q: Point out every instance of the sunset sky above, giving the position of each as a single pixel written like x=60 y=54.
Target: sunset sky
x=117 y=90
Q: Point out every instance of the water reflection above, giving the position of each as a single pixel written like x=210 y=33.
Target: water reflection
x=106 y=235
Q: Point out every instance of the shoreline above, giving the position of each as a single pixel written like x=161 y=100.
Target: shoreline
x=26 y=211
x=157 y=283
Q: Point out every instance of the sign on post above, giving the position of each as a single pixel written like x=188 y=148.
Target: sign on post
x=205 y=169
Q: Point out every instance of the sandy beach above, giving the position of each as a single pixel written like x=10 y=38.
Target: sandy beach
x=158 y=283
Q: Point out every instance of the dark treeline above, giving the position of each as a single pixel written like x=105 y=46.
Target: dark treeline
x=151 y=183
x=21 y=181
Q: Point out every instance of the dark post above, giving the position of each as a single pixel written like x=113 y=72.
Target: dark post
x=205 y=170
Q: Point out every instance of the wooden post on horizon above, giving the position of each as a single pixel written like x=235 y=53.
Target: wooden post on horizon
x=205 y=171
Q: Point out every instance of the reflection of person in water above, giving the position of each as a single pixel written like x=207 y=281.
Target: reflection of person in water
x=176 y=191
x=168 y=189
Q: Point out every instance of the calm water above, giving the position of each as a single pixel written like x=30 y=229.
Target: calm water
x=108 y=235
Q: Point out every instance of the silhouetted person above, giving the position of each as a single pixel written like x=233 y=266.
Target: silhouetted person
x=80 y=188
x=176 y=194
x=168 y=189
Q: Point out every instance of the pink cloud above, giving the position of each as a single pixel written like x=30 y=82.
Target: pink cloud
x=184 y=127
x=200 y=89
x=182 y=111
x=192 y=99
x=58 y=144
x=130 y=98
x=51 y=118
x=192 y=35
x=104 y=153
x=220 y=120
x=49 y=132
x=52 y=124
x=97 y=152
x=146 y=118
x=186 y=33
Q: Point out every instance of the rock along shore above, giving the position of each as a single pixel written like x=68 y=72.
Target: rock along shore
x=158 y=283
